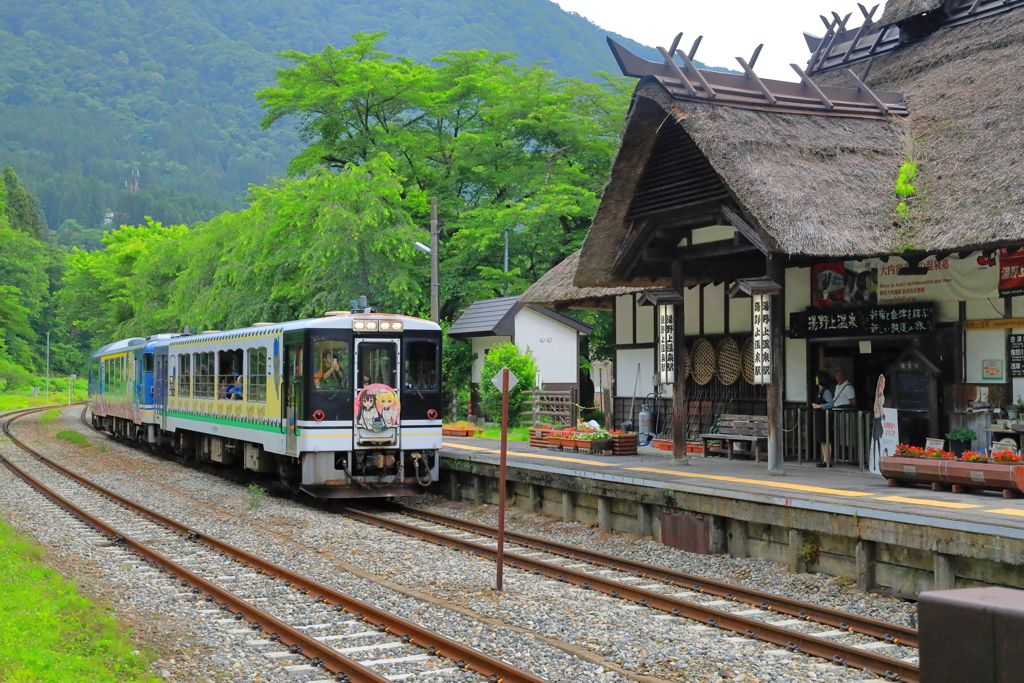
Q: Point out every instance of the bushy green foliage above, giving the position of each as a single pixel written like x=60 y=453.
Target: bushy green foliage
x=73 y=437
x=905 y=180
x=456 y=369
x=522 y=365
x=51 y=634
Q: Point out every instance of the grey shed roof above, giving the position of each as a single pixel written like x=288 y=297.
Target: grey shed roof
x=487 y=317
x=497 y=317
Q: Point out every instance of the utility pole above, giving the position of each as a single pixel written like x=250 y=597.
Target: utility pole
x=505 y=288
x=47 y=367
x=435 y=287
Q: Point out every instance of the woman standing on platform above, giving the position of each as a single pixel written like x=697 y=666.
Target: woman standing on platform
x=823 y=402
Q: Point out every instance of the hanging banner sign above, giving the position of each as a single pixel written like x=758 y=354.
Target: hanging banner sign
x=666 y=344
x=1017 y=355
x=872 y=281
x=1011 y=273
x=994 y=324
x=761 y=311
x=862 y=322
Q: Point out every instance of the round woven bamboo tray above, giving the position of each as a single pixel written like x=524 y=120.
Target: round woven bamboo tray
x=702 y=361
x=729 y=363
x=747 y=360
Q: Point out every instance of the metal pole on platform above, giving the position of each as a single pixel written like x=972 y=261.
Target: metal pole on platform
x=501 y=475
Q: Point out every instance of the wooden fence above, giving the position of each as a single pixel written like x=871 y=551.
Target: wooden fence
x=557 y=408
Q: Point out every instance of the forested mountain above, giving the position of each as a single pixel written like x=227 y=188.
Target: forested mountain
x=92 y=89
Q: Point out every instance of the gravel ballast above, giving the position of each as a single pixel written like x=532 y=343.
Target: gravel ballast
x=648 y=644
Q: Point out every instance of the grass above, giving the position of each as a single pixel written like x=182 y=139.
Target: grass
x=51 y=634
x=514 y=433
x=73 y=437
x=256 y=495
x=24 y=398
x=49 y=416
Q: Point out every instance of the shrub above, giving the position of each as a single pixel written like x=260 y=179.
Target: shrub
x=962 y=434
x=522 y=366
x=256 y=496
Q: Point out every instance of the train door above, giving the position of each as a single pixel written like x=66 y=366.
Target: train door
x=377 y=407
x=293 y=395
x=160 y=382
x=138 y=382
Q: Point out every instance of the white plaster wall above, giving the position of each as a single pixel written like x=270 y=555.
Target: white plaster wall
x=624 y=319
x=739 y=315
x=558 y=359
x=947 y=311
x=714 y=309
x=796 y=369
x=645 y=324
x=626 y=361
x=691 y=311
x=798 y=291
x=481 y=344
x=982 y=345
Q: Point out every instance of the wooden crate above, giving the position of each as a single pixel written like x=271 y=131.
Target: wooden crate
x=624 y=444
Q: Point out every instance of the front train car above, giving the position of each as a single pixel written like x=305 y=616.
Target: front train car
x=344 y=406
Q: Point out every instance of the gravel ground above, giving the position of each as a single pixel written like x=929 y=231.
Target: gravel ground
x=322 y=545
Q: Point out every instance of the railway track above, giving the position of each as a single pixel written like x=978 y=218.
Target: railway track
x=313 y=631
x=888 y=650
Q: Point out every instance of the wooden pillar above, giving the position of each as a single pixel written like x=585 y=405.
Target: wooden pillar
x=680 y=409
x=777 y=273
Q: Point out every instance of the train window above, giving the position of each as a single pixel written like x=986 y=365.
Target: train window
x=377 y=364
x=331 y=365
x=147 y=362
x=185 y=375
x=257 y=391
x=229 y=375
x=420 y=366
x=205 y=374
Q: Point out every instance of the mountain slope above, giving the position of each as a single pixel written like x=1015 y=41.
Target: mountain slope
x=91 y=89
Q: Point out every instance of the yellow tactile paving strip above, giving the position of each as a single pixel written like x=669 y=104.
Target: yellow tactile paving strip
x=756 y=482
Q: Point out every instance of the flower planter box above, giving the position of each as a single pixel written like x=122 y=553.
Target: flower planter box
x=624 y=444
x=445 y=431
x=694 y=447
x=539 y=436
x=582 y=445
x=959 y=475
x=662 y=444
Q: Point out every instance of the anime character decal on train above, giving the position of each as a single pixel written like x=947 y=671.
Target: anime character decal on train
x=378 y=408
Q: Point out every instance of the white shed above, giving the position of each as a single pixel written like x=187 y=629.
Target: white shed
x=552 y=337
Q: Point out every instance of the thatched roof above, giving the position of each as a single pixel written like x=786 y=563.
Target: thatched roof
x=816 y=185
x=822 y=186
x=898 y=10
x=963 y=89
x=556 y=289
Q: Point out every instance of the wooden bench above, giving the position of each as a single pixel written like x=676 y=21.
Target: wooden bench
x=752 y=429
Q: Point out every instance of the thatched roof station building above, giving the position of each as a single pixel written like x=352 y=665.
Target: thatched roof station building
x=874 y=209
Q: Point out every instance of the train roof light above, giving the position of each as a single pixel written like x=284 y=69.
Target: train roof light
x=359 y=325
x=371 y=325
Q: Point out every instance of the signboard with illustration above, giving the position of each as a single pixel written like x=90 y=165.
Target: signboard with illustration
x=885 y=437
x=874 y=281
x=377 y=408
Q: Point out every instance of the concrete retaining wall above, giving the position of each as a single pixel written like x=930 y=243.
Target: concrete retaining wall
x=889 y=556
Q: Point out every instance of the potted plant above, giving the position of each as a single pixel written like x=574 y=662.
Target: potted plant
x=1014 y=410
x=596 y=441
x=960 y=439
x=973 y=456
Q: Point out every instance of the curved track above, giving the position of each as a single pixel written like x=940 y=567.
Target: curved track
x=841 y=637
x=413 y=649
x=683 y=602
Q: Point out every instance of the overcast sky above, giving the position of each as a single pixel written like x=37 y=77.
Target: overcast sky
x=731 y=28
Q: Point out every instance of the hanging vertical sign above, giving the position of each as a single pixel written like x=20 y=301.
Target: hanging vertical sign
x=666 y=344
x=761 y=309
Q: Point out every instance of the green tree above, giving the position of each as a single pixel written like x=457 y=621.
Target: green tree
x=506 y=149
x=522 y=365
x=20 y=207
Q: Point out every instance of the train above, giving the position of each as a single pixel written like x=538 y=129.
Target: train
x=347 y=405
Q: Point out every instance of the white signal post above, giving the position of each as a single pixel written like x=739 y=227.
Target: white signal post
x=71 y=379
x=505 y=381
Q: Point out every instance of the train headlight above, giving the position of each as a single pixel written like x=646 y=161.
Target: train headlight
x=359 y=325
x=396 y=326
x=371 y=325
x=385 y=325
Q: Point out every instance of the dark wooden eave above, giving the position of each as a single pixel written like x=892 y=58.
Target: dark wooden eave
x=749 y=91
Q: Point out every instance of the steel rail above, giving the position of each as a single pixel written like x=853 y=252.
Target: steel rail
x=462 y=655
x=895 y=633
x=838 y=653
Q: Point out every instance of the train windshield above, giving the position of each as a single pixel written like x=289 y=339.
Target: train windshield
x=421 y=365
x=331 y=366
x=377 y=364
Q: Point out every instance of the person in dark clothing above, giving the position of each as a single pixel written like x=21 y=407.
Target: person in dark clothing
x=823 y=402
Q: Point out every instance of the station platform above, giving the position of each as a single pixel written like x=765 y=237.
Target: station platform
x=841 y=489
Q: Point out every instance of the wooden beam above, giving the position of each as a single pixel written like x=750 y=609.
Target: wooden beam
x=677 y=72
x=867 y=91
x=776 y=456
x=752 y=235
x=826 y=102
x=708 y=90
x=715 y=249
x=680 y=417
x=757 y=81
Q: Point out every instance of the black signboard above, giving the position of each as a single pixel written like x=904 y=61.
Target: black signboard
x=862 y=322
x=1017 y=355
